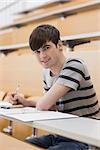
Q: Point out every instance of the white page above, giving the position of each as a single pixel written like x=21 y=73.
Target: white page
x=4 y=104
x=24 y=110
x=42 y=115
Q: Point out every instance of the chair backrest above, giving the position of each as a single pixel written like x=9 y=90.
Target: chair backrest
x=21 y=67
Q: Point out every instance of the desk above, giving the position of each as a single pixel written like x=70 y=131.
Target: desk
x=10 y=143
x=81 y=129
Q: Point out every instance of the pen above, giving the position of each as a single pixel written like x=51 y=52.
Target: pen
x=17 y=89
x=5 y=107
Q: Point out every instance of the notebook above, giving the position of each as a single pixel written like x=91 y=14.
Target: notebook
x=28 y=114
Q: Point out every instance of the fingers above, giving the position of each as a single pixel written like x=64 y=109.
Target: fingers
x=13 y=102
x=11 y=97
x=15 y=98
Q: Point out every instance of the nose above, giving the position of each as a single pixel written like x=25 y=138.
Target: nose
x=42 y=54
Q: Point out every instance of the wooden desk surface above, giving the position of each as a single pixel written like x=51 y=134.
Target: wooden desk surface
x=81 y=129
x=9 y=143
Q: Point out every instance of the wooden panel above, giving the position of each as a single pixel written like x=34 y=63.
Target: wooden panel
x=21 y=35
x=76 y=24
x=9 y=143
x=21 y=67
x=50 y=8
x=84 y=22
x=3 y=123
x=26 y=30
x=41 y=132
x=21 y=131
x=94 y=45
x=6 y=38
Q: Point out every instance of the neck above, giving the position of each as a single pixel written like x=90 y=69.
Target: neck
x=56 y=70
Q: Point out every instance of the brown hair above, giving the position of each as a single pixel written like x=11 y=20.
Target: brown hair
x=42 y=34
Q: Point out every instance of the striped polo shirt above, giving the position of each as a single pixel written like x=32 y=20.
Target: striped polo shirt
x=81 y=100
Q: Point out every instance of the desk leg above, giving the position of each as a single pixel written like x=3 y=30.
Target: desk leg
x=8 y=129
x=33 y=134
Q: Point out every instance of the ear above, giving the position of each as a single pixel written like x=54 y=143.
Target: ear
x=60 y=45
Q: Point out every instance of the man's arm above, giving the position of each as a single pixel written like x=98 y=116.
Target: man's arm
x=52 y=96
x=15 y=99
x=45 y=102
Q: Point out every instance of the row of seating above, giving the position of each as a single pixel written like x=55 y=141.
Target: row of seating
x=66 y=24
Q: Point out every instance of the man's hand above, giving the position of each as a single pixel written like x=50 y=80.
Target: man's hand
x=15 y=99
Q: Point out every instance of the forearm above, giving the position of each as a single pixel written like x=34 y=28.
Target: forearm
x=31 y=101
x=28 y=103
x=51 y=97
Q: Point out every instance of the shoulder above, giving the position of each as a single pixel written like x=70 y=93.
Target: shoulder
x=74 y=66
x=75 y=62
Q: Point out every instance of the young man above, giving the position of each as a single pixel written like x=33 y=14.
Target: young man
x=67 y=84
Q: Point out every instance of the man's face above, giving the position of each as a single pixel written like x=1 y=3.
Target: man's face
x=48 y=55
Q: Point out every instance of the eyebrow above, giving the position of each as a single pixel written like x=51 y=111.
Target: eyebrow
x=45 y=45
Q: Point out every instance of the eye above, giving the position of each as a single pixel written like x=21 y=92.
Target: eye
x=37 y=52
x=46 y=48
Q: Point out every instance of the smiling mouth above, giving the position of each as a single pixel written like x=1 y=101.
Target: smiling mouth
x=45 y=61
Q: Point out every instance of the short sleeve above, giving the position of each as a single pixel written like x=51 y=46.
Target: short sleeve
x=72 y=74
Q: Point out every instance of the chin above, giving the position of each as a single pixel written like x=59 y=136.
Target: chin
x=46 y=67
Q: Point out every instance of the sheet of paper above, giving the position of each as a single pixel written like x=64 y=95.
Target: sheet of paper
x=4 y=104
x=42 y=115
x=14 y=110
